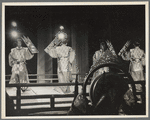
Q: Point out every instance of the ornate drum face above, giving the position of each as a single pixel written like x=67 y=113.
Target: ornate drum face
x=101 y=85
x=110 y=82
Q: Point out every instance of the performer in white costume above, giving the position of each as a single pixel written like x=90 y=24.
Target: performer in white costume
x=65 y=56
x=137 y=61
x=17 y=60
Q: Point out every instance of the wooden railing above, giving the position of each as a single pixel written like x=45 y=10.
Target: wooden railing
x=52 y=77
x=143 y=93
x=52 y=98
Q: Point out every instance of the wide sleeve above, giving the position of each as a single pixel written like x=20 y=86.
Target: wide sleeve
x=28 y=54
x=126 y=56
x=51 y=50
x=72 y=55
x=11 y=59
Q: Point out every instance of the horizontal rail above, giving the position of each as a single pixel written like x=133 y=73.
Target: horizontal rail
x=40 y=84
x=54 y=84
x=47 y=74
x=60 y=102
x=39 y=103
x=46 y=96
x=44 y=103
x=35 y=75
x=44 y=79
x=38 y=79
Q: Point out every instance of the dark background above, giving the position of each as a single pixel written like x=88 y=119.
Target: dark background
x=115 y=23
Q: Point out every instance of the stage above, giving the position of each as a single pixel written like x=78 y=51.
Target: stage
x=31 y=91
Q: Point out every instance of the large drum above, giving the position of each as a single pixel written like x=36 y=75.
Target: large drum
x=106 y=90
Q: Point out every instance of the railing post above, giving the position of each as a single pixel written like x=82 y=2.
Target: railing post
x=37 y=78
x=18 y=101
x=143 y=93
x=84 y=91
x=52 y=102
x=76 y=85
x=133 y=85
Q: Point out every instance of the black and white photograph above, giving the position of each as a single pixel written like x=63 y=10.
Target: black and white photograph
x=75 y=59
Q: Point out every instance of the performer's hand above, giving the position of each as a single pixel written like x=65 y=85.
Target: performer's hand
x=57 y=41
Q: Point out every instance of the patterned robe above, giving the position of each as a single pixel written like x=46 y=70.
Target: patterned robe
x=65 y=56
x=137 y=61
x=98 y=54
x=17 y=60
x=137 y=57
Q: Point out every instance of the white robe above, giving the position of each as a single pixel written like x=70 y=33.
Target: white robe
x=21 y=55
x=65 y=56
x=137 y=61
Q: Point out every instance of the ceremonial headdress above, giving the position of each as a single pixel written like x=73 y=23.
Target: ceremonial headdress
x=61 y=35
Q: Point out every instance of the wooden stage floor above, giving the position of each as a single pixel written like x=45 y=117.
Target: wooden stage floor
x=41 y=91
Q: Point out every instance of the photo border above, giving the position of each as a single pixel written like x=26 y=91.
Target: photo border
x=146 y=3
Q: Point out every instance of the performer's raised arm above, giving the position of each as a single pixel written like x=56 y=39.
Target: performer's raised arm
x=28 y=54
x=50 y=49
x=126 y=56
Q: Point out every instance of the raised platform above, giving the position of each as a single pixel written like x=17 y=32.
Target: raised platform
x=32 y=103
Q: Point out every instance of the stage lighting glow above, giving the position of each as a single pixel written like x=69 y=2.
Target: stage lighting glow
x=14 y=24
x=14 y=34
x=61 y=36
x=61 y=27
